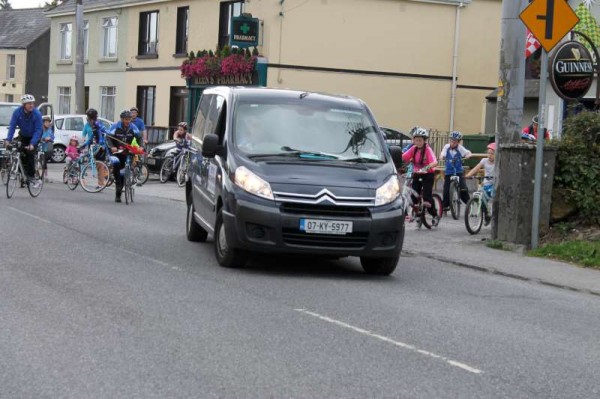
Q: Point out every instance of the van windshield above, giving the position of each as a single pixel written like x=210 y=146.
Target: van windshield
x=6 y=112
x=308 y=131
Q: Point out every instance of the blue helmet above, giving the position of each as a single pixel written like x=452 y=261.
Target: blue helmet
x=456 y=135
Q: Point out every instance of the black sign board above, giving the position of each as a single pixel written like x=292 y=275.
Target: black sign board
x=572 y=71
x=244 y=32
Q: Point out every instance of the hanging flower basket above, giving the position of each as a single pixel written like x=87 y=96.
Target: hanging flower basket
x=209 y=67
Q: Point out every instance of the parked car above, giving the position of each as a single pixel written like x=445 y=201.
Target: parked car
x=281 y=171
x=66 y=126
x=158 y=154
x=395 y=138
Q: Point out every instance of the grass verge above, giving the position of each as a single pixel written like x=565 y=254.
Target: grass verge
x=584 y=253
x=496 y=244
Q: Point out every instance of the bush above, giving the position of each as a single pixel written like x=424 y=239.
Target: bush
x=578 y=164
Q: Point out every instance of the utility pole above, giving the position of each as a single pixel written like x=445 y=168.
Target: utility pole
x=79 y=61
x=510 y=95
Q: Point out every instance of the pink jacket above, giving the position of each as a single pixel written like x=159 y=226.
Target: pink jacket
x=414 y=155
x=72 y=152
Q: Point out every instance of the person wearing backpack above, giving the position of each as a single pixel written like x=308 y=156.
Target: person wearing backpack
x=453 y=154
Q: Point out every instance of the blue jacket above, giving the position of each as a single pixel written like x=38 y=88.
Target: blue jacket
x=47 y=134
x=97 y=131
x=118 y=132
x=139 y=123
x=30 y=124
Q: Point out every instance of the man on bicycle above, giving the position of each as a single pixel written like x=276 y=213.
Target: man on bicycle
x=29 y=121
x=121 y=133
x=139 y=123
x=454 y=153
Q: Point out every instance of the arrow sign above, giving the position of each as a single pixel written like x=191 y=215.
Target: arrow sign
x=549 y=21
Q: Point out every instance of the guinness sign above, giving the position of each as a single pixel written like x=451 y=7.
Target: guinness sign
x=572 y=71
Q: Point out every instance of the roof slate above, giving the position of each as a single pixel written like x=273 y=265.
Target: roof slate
x=68 y=6
x=19 y=28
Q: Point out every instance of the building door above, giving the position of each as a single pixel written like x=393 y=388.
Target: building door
x=179 y=106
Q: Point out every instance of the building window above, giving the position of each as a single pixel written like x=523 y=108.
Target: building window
x=11 y=66
x=182 y=30
x=148 y=41
x=86 y=39
x=108 y=95
x=64 y=100
x=66 y=32
x=229 y=9
x=10 y=98
x=146 y=99
x=109 y=37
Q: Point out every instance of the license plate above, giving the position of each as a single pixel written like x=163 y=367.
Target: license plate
x=151 y=161
x=313 y=226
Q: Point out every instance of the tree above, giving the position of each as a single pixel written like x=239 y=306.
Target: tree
x=5 y=5
x=51 y=4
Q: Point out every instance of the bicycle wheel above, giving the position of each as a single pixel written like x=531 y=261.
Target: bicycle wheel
x=72 y=178
x=14 y=178
x=35 y=187
x=439 y=205
x=127 y=183
x=473 y=216
x=166 y=170
x=181 y=172
x=5 y=170
x=94 y=177
x=143 y=174
x=455 y=200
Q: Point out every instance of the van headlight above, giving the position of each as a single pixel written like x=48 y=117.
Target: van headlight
x=389 y=192
x=251 y=183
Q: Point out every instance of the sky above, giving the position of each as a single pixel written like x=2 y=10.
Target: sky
x=26 y=3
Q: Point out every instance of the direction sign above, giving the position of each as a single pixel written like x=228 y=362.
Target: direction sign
x=549 y=21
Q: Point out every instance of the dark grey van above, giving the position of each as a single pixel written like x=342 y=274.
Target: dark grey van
x=281 y=171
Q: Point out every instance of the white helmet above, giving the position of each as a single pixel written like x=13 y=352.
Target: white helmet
x=27 y=98
x=419 y=132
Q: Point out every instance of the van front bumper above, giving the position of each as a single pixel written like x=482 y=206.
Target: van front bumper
x=266 y=228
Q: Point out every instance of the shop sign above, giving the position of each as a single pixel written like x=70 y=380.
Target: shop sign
x=244 y=32
x=244 y=79
x=572 y=71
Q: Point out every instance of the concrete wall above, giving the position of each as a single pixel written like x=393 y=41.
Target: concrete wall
x=6 y=86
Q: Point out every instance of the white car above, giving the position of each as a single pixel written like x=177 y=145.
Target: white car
x=66 y=126
x=6 y=111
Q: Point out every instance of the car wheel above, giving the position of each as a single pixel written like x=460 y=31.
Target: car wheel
x=194 y=231
x=58 y=154
x=379 y=266
x=226 y=255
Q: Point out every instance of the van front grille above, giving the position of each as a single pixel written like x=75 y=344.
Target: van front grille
x=354 y=240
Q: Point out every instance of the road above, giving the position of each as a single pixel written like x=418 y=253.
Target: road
x=105 y=300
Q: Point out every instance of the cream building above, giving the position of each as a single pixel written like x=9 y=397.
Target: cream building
x=414 y=62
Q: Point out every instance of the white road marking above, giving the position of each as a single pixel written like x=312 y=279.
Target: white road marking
x=30 y=215
x=391 y=341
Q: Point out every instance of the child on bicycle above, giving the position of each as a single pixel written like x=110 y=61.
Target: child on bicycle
x=47 y=142
x=181 y=135
x=72 y=152
x=454 y=153
x=424 y=162
x=489 y=166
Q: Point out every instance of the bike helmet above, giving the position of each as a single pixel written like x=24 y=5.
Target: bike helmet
x=134 y=109
x=183 y=125
x=492 y=146
x=125 y=114
x=74 y=137
x=535 y=120
x=92 y=113
x=419 y=132
x=27 y=98
x=47 y=118
x=456 y=135
x=528 y=137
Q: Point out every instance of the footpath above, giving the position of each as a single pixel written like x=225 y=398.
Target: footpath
x=449 y=242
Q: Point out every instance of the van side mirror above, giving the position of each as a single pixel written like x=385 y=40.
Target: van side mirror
x=396 y=156
x=210 y=145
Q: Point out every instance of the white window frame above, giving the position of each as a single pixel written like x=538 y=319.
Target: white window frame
x=9 y=98
x=11 y=69
x=105 y=110
x=64 y=100
x=110 y=31
x=66 y=34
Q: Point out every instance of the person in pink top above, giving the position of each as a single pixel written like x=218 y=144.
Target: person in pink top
x=72 y=150
x=424 y=162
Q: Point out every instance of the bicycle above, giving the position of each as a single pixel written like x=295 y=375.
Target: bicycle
x=479 y=208
x=17 y=175
x=129 y=182
x=94 y=174
x=419 y=212
x=71 y=174
x=455 y=201
x=179 y=162
x=141 y=173
x=5 y=164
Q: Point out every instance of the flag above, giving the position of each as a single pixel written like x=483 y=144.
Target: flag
x=531 y=45
x=587 y=24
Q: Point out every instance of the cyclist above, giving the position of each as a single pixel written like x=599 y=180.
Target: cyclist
x=424 y=162
x=489 y=166
x=181 y=135
x=94 y=132
x=29 y=121
x=139 y=123
x=454 y=153
x=47 y=143
x=122 y=132
x=533 y=129
x=527 y=138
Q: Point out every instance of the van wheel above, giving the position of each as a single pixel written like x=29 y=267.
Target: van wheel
x=379 y=266
x=193 y=230
x=226 y=255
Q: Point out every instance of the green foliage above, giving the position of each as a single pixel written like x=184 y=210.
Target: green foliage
x=211 y=54
x=248 y=54
x=585 y=253
x=255 y=52
x=226 y=51
x=5 y=5
x=578 y=164
x=496 y=244
x=191 y=56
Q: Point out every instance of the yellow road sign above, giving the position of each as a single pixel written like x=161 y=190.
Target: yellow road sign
x=549 y=21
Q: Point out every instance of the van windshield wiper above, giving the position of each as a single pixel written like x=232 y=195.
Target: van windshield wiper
x=309 y=154
x=363 y=160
